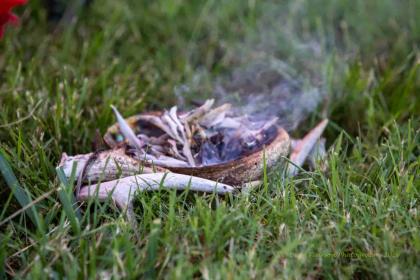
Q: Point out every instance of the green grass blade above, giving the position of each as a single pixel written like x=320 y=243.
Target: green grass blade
x=69 y=187
x=4 y=240
x=14 y=185
x=66 y=198
x=265 y=177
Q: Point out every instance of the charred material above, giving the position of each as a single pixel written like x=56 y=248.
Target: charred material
x=205 y=136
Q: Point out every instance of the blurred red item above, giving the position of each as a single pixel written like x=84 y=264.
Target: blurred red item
x=6 y=15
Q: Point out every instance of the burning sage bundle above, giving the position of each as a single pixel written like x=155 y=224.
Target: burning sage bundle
x=206 y=149
x=204 y=136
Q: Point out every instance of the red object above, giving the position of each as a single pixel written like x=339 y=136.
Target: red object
x=6 y=16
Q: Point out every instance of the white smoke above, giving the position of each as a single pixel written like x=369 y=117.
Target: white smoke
x=278 y=72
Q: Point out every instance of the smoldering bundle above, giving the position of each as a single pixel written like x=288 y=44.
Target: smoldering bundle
x=203 y=136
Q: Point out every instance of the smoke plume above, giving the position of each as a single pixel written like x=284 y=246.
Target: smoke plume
x=279 y=71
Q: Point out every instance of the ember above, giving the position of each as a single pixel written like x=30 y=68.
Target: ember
x=202 y=137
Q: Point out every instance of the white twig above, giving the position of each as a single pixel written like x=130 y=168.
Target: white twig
x=172 y=125
x=127 y=131
x=161 y=160
x=109 y=165
x=174 y=150
x=156 y=121
x=172 y=120
x=215 y=116
x=123 y=190
x=199 y=112
x=268 y=124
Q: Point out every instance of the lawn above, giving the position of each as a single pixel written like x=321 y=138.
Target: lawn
x=360 y=219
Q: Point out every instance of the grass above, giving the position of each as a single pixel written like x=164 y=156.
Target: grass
x=358 y=220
